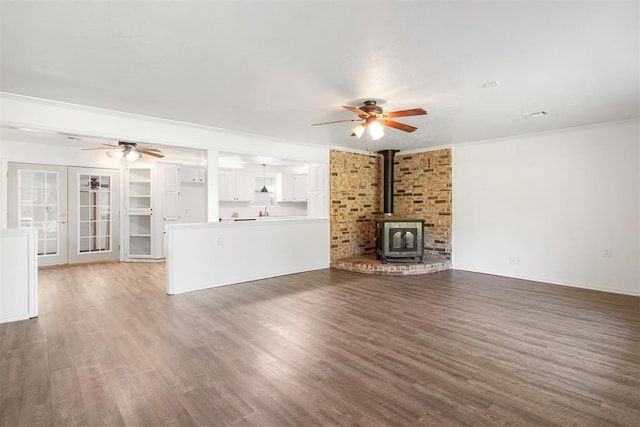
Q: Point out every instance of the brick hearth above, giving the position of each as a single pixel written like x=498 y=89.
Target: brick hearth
x=368 y=264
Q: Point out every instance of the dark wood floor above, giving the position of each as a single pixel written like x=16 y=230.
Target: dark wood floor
x=321 y=348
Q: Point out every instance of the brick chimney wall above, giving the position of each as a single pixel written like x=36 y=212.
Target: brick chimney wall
x=422 y=191
x=355 y=202
x=422 y=183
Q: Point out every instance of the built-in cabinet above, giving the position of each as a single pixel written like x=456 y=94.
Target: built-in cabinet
x=168 y=195
x=235 y=187
x=318 y=177
x=139 y=236
x=155 y=196
x=168 y=177
x=294 y=188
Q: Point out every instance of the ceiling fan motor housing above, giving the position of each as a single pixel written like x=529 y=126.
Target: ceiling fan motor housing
x=371 y=107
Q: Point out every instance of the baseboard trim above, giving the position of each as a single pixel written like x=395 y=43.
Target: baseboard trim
x=554 y=282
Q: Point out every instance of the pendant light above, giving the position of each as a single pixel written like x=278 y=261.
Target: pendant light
x=264 y=186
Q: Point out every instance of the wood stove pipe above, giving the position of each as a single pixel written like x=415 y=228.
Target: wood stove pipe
x=388 y=156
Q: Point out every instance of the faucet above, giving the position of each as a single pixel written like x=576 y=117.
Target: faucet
x=266 y=210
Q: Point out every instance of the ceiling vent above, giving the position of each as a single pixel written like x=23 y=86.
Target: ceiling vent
x=535 y=114
x=488 y=85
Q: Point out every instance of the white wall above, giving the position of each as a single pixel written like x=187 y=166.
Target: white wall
x=547 y=206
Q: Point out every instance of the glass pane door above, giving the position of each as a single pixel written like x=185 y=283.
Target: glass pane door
x=37 y=198
x=93 y=214
x=94 y=233
x=38 y=201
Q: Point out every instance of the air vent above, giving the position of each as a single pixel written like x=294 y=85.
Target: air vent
x=535 y=114
x=488 y=85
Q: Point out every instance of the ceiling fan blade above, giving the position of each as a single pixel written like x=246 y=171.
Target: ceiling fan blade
x=104 y=147
x=150 y=149
x=398 y=125
x=336 y=121
x=404 y=113
x=356 y=110
x=150 y=153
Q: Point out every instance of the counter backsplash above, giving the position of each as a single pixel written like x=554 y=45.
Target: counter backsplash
x=244 y=210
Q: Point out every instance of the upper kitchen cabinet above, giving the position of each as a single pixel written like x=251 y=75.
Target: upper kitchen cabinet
x=294 y=188
x=193 y=174
x=235 y=187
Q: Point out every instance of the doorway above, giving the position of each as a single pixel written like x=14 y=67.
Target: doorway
x=76 y=211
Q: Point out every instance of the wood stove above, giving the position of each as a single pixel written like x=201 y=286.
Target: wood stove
x=397 y=239
x=400 y=240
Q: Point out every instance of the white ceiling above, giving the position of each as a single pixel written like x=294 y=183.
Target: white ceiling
x=275 y=67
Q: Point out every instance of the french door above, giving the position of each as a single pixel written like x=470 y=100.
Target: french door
x=76 y=211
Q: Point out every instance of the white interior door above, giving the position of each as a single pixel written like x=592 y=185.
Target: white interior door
x=37 y=197
x=94 y=214
x=76 y=211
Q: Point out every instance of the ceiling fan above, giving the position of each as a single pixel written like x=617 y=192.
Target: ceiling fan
x=372 y=117
x=129 y=151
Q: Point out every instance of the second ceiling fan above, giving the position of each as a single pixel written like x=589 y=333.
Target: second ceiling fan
x=373 y=117
x=129 y=151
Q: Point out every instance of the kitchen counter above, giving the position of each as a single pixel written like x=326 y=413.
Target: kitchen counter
x=263 y=218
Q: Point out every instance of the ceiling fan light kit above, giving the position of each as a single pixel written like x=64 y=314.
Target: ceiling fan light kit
x=358 y=130
x=132 y=155
x=376 y=131
x=372 y=117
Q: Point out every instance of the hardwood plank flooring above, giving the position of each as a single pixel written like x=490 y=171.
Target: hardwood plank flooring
x=327 y=347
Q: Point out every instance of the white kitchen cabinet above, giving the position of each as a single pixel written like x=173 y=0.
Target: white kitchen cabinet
x=193 y=174
x=294 y=188
x=168 y=177
x=318 y=191
x=235 y=187
x=168 y=197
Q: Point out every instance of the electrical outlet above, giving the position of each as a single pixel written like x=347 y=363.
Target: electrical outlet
x=607 y=253
x=514 y=260
x=220 y=241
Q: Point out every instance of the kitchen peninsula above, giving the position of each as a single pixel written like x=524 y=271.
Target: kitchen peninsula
x=201 y=256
